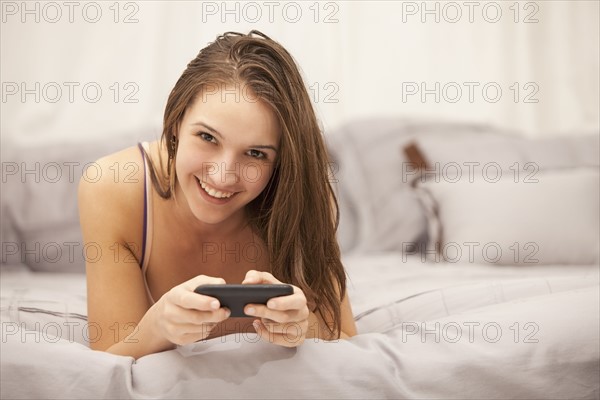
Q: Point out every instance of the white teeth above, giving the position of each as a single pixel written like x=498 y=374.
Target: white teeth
x=215 y=193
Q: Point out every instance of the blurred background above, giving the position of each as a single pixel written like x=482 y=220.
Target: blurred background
x=76 y=70
x=512 y=84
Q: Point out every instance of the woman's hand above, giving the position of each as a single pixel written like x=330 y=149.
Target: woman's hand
x=284 y=320
x=182 y=316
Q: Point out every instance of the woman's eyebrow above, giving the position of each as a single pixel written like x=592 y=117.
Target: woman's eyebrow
x=264 y=146
x=213 y=130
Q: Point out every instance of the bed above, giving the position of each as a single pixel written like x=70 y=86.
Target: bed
x=437 y=316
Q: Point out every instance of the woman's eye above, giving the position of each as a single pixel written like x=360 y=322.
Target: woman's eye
x=257 y=154
x=206 y=136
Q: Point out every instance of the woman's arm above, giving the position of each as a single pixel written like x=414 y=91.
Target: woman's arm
x=117 y=303
x=179 y=317
x=120 y=318
x=143 y=340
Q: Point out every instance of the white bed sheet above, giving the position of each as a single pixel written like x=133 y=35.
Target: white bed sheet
x=408 y=315
x=421 y=291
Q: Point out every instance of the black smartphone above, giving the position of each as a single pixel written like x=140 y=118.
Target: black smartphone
x=235 y=297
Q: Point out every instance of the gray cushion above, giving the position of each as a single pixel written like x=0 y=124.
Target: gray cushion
x=379 y=211
x=40 y=216
x=491 y=188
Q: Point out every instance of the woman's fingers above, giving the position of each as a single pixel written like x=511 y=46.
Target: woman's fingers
x=184 y=295
x=281 y=309
x=259 y=277
x=184 y=326
x=187 y=316
x=202 y=280
x=182 y=315
x=196 y=301
x=186 y=334
x=285 y=328
x=289 y=328
x=291 y=335
x=295 y=301
x=282 y=317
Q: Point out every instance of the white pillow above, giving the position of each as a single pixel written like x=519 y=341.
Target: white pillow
x=509 y=221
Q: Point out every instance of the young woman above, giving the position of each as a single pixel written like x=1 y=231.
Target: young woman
x=235 y=191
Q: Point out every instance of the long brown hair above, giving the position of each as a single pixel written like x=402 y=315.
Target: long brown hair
x=297 y=213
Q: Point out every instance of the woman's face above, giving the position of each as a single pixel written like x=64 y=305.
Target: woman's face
x=228 y=144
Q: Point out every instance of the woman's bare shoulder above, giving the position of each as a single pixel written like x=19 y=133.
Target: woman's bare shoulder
x=110 y=193
x=119 y=174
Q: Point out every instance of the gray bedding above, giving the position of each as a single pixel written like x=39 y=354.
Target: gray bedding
x=425 y=331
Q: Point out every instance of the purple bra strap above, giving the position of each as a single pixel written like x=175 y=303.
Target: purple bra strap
x=145 y=207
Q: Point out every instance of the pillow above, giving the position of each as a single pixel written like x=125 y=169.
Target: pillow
x=484 y=152
x=550 y=217
x=40 y=216
x=378 y=210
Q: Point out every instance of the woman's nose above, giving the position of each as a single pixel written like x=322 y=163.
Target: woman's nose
x=225 y=171
x=230 y=172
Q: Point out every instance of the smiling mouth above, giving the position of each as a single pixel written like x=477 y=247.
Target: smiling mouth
x=215 y=193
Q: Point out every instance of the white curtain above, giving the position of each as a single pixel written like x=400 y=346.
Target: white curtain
x=359 y=59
